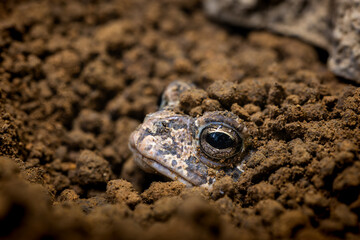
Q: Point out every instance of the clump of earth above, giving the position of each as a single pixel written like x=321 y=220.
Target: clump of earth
x=77 y=77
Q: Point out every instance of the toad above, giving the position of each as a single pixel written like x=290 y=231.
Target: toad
x=194 y=151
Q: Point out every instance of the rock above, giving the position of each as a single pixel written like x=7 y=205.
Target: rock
x=345 y=52
x=331 y=25
x=308 y=20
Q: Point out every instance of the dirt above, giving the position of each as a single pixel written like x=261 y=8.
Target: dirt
x=77 y=77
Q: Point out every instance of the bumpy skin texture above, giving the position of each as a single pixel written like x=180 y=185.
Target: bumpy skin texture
x=169 y=143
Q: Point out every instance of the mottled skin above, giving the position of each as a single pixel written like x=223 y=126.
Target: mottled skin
x=177 y=145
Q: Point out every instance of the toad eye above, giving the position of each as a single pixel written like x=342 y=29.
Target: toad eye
x=220 y=141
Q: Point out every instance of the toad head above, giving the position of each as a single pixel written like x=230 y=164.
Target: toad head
x=194 y=151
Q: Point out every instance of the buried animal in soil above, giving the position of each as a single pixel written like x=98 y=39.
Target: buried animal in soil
x=194 y=151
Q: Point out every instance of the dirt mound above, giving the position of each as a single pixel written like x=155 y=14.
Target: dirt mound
x=77 y=77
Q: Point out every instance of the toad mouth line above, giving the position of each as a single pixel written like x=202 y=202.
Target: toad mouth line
x=156 y=166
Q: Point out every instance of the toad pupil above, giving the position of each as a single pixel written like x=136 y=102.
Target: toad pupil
x=219 y=140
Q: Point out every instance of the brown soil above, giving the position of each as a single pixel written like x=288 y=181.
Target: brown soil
x=76 y=77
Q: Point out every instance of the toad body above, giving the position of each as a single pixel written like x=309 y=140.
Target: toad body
x=194 y=151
